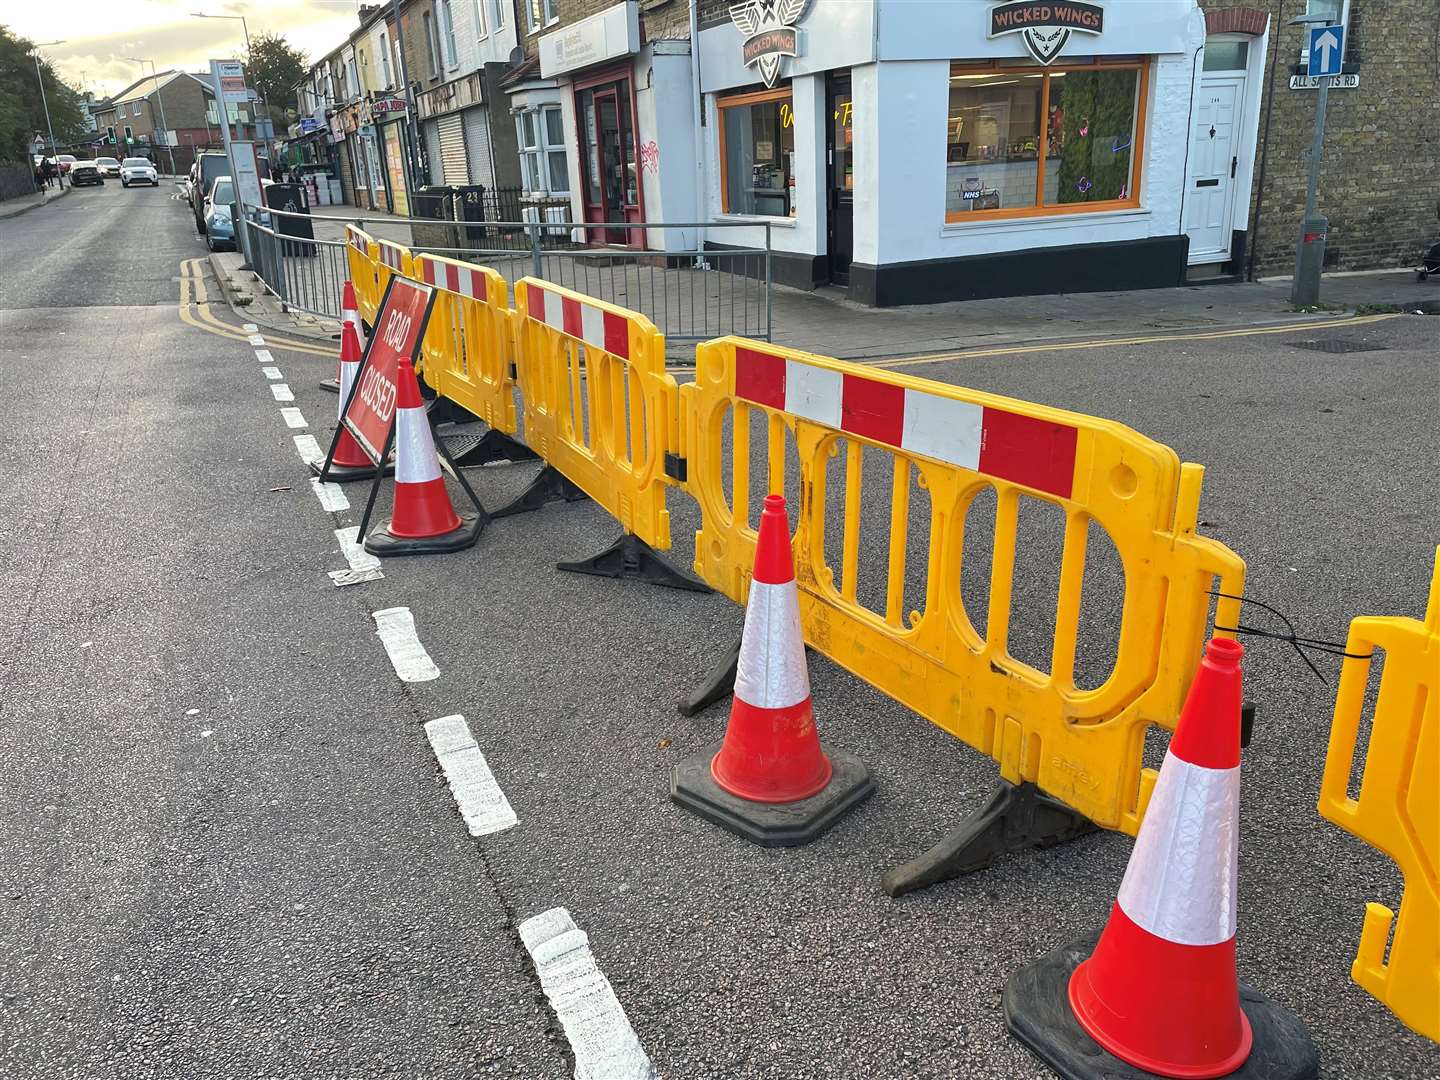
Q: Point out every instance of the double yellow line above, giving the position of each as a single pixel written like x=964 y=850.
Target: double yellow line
x=196 y=312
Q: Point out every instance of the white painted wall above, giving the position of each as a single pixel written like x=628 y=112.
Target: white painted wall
x=492 y=42
x=662 y=103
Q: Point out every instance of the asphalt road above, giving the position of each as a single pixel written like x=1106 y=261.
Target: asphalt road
x=279 y=885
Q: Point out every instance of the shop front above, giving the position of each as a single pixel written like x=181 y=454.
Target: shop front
x=621 y=102
x=915 y=152
x=391 y=118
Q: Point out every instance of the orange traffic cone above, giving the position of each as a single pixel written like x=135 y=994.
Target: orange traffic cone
x=422 y=521
x=1159 y=990
x=349 y=315
x=348 y=461
x=770 y=780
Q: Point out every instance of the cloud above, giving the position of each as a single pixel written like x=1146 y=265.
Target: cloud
x=164 y=31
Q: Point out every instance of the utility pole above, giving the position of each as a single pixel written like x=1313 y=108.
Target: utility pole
x=45 y=104
x=160 y=96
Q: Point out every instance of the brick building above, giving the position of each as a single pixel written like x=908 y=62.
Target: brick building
x=1380 y=182
x=169 y=113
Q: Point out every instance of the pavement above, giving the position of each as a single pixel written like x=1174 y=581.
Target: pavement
x=19 y=205
x=826 y=322
x=227 y=849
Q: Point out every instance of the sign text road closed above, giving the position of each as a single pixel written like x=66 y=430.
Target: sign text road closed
x=399 y=326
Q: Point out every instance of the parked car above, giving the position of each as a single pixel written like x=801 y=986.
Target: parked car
x=65 y=161
x=108 y=166
x=138 y=170
x=85 y=172
x=219 y=228
x=208 y=167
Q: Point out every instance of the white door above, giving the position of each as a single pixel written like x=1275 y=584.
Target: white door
x=1214 y=146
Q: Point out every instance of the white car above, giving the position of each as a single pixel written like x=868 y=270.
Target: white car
x=138 y=170
x=108 y=166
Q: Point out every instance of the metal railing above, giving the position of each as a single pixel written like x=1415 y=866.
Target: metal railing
x=690 y=285
x=304 y=274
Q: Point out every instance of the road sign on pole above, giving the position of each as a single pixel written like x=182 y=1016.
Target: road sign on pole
x=1327 y=51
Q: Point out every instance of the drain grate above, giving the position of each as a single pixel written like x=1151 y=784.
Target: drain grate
x=1338 y=345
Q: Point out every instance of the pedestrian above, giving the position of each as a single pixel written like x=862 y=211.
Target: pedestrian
x=52 y=172
x=39 y=170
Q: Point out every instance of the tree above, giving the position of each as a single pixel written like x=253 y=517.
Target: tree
x=21 y=111
x=273 y=69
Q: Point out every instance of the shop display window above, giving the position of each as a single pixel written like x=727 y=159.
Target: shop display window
x=757 y=142
x=1024 y=140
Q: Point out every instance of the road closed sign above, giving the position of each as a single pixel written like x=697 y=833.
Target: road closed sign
x=399 y=329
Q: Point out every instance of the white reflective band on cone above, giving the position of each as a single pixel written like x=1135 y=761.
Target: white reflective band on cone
x=415 y=460
x=348 y=368
x=1180 y=884
x=771 y=673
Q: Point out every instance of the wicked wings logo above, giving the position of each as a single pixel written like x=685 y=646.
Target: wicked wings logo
x=1045 y=27
x=769 y=29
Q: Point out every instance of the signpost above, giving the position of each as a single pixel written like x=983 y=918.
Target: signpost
x=1325 y=52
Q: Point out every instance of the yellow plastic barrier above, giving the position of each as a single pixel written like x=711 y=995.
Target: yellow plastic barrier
x=361 y=259
x=1081 y=746
x=390 y=258
x=468 y=348
x=1398 y=811
x=599 y=404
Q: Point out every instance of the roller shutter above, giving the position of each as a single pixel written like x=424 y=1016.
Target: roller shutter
x=477 y=147
x=452 y=161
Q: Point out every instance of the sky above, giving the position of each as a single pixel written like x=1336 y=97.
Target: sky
x=100 y=34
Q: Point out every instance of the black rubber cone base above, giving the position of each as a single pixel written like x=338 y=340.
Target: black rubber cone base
x=1038 y=1013
x=332 y=385
x=771 y=824
x=381 y=542
x=348 y=474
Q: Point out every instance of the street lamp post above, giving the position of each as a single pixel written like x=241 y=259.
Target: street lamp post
x=160 y=96
x=45 y=104
x=1315 y=228
x=245 y=28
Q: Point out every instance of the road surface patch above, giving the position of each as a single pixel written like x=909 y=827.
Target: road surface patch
x=272 y=373
x=309 y=449
x=282 y=391
x=482 y=804
x=332 y=496
x=294 y=418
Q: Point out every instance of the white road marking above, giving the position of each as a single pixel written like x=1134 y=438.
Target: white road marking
x=256 y=339
x=282 y=391
x=271 y=372
x=332 y=496
x=601 y=1038
x=396 y=629
x=363 y=566
x=310 y=451
x=263 y=355
x=250 y=328
x=294 y=418
x=482 y=804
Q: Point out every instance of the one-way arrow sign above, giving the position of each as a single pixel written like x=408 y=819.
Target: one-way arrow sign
x=1327 y=47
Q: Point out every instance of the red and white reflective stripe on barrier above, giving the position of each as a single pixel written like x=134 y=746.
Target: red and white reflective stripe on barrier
x=1180 y=883
x=415 y=460
x=592 y=325
x=771 y=673
x=452 y=277
x=390 y=254
x=1022 y=449
x=355 y=239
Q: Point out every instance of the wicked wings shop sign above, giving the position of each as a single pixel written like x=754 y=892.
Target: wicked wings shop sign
x=770 y=33
x=1045 y=27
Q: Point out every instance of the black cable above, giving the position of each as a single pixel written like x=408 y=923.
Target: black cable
x=1300 y=644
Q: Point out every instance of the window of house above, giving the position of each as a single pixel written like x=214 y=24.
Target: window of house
x=541 y=13
x=433 y=44
x=1226 y=54
x=1025 y=140
x=385 y=59
x=757 y=158
x=364 y=68
x=352 y=80
x=1337 y=11
x=447 y=33
x=541 y=133
x=497 y=14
